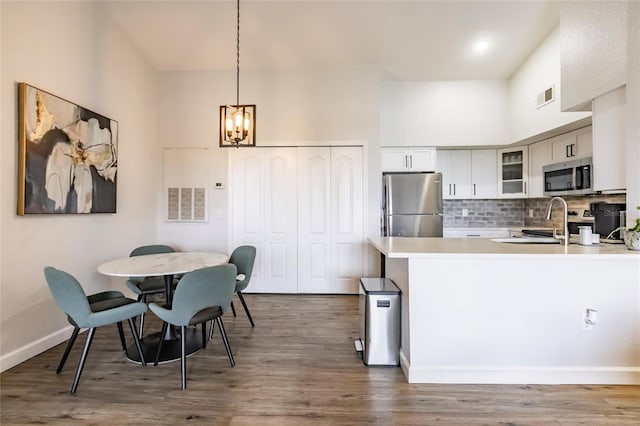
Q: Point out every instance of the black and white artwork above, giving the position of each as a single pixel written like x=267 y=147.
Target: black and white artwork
x=67 y=156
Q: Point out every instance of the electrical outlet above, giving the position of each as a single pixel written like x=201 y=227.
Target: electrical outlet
x=530 y=212
x=465 y=212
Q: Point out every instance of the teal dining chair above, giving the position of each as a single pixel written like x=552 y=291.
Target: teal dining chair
x=72 y=300
x=203 y=295
x=145 y=286
x=98 y=302
x=244 y=258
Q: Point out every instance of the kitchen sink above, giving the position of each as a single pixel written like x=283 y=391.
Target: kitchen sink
x=527 y=240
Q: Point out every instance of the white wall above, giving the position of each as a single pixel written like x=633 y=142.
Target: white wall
x=594 y=50
x=70 y=49
x=294 y=107
x=444 y=113
x=633 y=113
x=540 y=71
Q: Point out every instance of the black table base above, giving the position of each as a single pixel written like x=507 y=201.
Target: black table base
x=170 y=348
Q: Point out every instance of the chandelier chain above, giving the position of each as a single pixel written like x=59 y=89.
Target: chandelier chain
x=238 y=54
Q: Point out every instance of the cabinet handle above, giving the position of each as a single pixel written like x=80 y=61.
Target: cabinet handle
x=525 y=187
x=454 y=189
x=406 y=161
x=566 y=151
x=449 y=189
x=474 y=189
x=411 y=161
x=573 y=154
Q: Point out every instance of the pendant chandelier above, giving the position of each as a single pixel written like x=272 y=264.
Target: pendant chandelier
x=237 y=122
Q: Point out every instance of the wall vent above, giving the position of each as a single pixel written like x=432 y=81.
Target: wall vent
x=545 y=97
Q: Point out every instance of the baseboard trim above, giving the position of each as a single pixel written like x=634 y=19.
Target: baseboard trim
x=521 y=375
x=26 y=352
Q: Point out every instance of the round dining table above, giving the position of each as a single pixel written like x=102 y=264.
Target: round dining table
x=166 y=265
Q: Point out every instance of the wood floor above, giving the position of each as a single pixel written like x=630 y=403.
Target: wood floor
x=296 y=367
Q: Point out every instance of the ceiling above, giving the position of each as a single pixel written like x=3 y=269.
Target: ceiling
x=408 y=40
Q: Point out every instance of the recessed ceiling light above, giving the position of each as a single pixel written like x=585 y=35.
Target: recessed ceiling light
x=481 y=46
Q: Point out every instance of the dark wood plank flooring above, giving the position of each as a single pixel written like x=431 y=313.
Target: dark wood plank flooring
x=296 y=367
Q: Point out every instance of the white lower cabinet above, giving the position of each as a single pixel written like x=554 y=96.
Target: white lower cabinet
x=303 y=209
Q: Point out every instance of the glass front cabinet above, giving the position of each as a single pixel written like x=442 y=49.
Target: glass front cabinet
x=513 y=172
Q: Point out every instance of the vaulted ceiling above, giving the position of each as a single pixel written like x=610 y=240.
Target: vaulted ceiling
x=408 y=40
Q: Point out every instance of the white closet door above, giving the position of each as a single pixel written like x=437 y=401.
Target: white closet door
x=347 y=212
x=330 y=219
x=314 y=210
x=280 y=264
x=246 y=188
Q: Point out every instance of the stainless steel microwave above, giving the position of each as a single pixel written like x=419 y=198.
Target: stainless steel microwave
x=569 y=178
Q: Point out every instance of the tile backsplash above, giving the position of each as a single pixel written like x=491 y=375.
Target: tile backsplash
x=484 y=213
x=508 y=213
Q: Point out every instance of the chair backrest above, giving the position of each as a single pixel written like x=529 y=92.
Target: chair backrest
x=203 y=288
x=151 y=249
x=68 y=294
x=243 y=257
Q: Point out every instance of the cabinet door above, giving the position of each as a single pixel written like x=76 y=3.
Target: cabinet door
x=609 y=127
x=484 y=173
x=539 y=156
x=562 y=147
x=584 y=143
x=394 y=160
x=455 y=166
x=513 y=172
x=422 y=160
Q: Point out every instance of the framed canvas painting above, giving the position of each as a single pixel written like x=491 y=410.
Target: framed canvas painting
x=67 y=156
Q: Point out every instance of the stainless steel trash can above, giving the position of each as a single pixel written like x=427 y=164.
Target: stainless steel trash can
x=379 y=321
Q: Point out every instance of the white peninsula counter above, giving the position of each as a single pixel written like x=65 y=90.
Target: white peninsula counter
x=479 y=311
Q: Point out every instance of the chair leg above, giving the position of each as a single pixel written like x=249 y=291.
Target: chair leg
x=136 y=340
x=225 y=341
x=83 y=358
x=212 y=327
x=121 y=332
x=162 y=333
x=67 y=350
x=204 y=334
x=233 y=309
x=183 y=357
x=142 y=298
x=244 y=305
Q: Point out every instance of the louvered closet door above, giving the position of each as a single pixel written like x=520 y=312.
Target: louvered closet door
x=263 y=194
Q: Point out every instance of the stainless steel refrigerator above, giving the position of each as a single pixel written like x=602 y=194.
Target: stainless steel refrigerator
x=412 y=204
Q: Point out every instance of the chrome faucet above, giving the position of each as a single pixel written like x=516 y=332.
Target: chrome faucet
x=564 y=237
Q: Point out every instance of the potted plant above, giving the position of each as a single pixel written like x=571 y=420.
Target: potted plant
x=632 y=235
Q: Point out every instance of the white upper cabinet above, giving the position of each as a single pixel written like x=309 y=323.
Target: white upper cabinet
x=408 y=159
x=572 y=145
x=513 y=172
x=484 y=173
x=593 y=52
x=455 y=166
x=468 y=173
x=609 y=171
x=539 y=156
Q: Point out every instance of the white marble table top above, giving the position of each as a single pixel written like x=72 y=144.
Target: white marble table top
x=161 y=264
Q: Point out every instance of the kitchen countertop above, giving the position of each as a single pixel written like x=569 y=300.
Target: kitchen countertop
x=401 y=247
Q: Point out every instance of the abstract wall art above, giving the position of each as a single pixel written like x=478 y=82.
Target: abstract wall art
x=67 y=158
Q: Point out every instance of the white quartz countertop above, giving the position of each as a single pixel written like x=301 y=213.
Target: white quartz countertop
x=401 y=247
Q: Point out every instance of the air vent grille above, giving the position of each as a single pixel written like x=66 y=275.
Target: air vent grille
x=545 y=97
